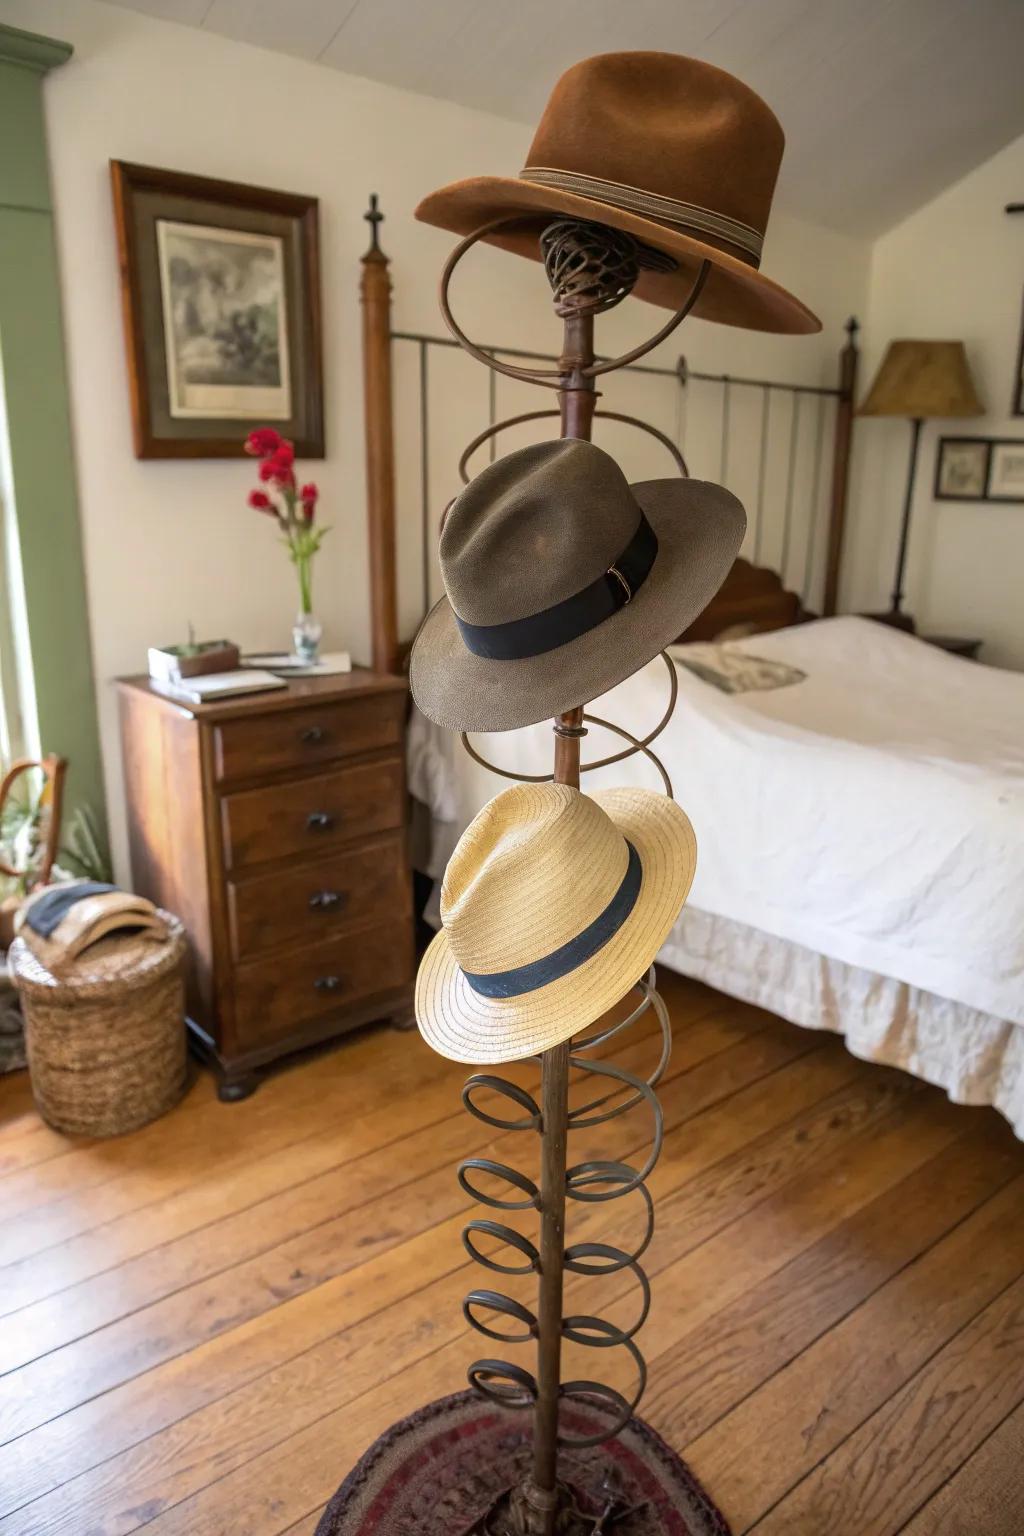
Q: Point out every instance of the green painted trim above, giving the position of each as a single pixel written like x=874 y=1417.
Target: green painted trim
x=30 y=50
x=39 y=430
x=24 y=173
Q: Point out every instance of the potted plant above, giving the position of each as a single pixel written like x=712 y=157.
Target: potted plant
x=193 y=658
x=294 y=509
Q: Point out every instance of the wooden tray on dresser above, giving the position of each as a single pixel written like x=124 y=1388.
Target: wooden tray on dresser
x=274 y=826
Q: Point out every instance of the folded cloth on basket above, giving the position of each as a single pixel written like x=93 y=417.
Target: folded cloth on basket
x=61 y=921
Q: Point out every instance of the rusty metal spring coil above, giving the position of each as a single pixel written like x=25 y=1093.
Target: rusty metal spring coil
x=590 y=1182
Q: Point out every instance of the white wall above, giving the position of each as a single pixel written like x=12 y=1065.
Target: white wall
x=170 y=542
x=954 y=269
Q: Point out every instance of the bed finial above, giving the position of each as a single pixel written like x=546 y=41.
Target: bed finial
x=374 y=218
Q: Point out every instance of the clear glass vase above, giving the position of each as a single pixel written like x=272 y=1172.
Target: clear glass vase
x=306 y=635
x=307 y=629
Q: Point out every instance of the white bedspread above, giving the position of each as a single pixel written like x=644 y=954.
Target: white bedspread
x=873 y=812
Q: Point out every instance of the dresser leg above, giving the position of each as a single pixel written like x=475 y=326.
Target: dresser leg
x=404 y=1019
x=231 y=1090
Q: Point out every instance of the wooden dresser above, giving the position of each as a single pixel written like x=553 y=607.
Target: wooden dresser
x=274 y=826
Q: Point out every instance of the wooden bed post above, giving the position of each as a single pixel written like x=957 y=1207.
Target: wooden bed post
x=375 y=293
x=848 y=359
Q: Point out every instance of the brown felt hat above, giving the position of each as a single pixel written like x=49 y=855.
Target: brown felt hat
x=563 y=580
x=675 y=152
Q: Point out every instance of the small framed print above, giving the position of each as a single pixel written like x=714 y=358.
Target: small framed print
x=961 y=468
x=1006 y=471
x=221 y=294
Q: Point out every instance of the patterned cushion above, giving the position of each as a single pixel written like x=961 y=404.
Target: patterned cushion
x=728 y=668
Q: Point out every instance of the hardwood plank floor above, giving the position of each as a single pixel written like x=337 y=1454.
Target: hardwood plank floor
x=203 y=1324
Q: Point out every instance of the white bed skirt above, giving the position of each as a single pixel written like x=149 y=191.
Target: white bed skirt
x=976 y=1058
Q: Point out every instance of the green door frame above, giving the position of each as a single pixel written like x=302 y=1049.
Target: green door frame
x=39 y=428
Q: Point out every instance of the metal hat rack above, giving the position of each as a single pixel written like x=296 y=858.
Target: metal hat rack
x=590 y=269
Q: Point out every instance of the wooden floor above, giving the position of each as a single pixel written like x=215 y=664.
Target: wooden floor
x=206 y=1322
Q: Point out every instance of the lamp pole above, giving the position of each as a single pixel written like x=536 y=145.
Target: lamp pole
x=900 y=619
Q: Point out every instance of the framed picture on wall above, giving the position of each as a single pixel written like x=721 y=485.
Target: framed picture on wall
x=1006 y=471
x=1017 y=403
x=220 y=287
x=961 y=468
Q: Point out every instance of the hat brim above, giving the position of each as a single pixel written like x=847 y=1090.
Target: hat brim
x=458 y=1023
x=700 y=528
x=734 y=294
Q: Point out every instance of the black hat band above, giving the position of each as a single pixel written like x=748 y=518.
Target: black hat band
x=574 y=616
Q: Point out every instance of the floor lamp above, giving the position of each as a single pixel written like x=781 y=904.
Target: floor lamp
x=921 y=380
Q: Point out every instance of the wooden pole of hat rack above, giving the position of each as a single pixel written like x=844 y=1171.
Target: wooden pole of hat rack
x=577 y=398
x=590 y=268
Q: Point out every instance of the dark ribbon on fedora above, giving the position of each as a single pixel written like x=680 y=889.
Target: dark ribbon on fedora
x=568 y=958
x=574 y=616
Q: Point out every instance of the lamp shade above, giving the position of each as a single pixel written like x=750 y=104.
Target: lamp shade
x=922 y=379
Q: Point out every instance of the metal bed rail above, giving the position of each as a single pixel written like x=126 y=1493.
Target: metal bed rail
x=725 y=423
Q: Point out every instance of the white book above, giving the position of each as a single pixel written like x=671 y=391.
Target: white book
x=212 y=686
x=331 y=663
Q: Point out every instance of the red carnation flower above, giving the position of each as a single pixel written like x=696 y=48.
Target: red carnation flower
x=275 y=472
x=278 y=468
x=285 y=451
x=260 y=501
x=308 y=496
x=262 y=442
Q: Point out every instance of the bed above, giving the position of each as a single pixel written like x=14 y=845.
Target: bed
x=861 y=838
x=861 y=830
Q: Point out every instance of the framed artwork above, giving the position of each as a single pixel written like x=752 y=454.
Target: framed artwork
x=961 y=468
x=220 y=287
x=979 y=469
x=1006 y=471
x=1017 y=403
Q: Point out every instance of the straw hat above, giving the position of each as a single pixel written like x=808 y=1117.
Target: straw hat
x=554 y=904
x=677 y=153
x=563 y=580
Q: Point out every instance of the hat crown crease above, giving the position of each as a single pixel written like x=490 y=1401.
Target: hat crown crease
x=533 y=528
x=702 y=135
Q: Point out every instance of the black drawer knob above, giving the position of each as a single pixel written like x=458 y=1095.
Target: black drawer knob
x=319 y=821
x=312 y=735
x=321 y=900
x=327 y=983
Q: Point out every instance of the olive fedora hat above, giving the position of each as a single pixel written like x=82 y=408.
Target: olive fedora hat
x=563 y=580
x=673 y=151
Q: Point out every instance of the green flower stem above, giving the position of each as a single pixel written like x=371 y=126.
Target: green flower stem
x=302 y=540
x=304 y=566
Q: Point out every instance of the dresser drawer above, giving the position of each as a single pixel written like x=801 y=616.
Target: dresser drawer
x=356 y=885
x=274 y=997
x=317 y=733
x=309 y=815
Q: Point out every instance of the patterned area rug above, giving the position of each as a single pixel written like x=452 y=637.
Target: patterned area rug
x=446 y=1470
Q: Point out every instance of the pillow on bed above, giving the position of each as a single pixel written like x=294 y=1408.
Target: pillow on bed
x=732 y=670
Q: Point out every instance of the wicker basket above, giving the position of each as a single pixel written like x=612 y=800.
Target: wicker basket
x=106 y=1038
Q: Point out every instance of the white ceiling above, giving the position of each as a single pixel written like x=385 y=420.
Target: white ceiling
x=884 y=102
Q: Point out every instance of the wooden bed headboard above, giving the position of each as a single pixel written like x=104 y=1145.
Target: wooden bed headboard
x=754 y=597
